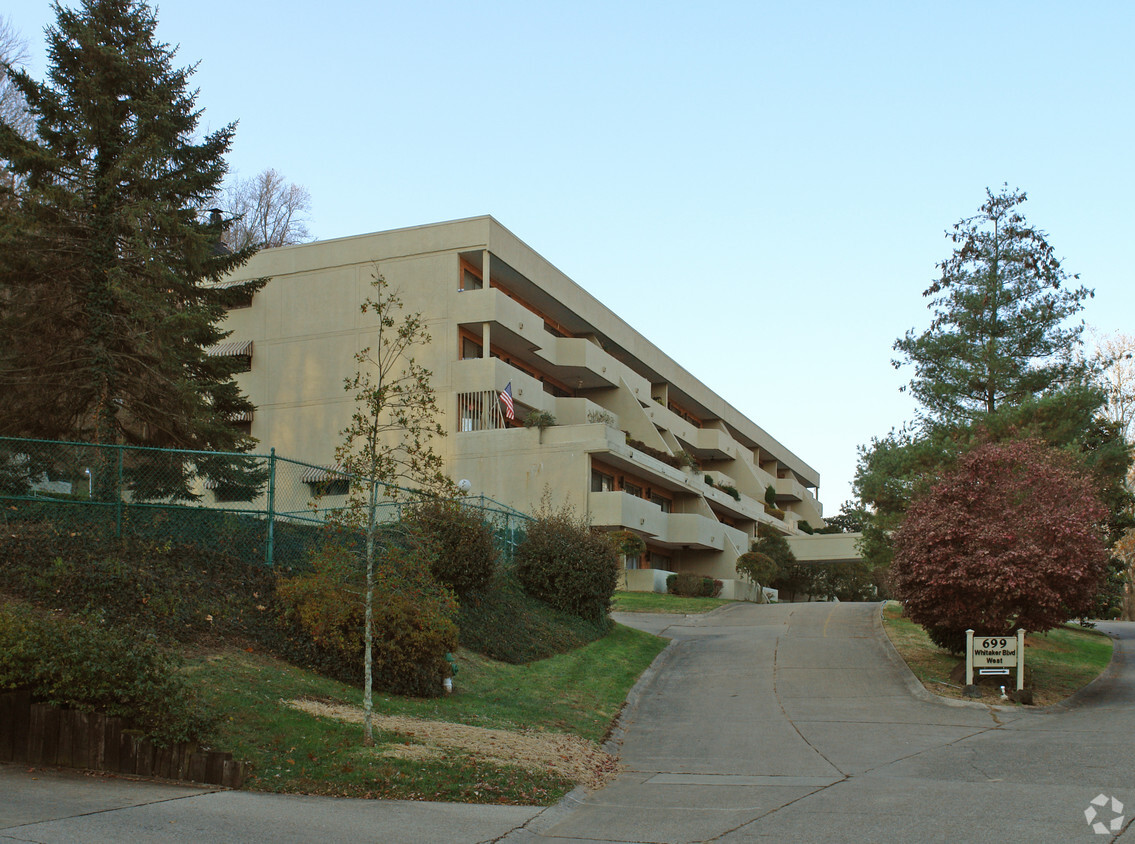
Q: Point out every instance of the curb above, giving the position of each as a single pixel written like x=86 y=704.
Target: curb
x=1080 y=698
x=552 y=815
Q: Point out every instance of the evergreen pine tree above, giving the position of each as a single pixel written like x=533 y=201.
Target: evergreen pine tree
x=106 y=259
x=999 y=333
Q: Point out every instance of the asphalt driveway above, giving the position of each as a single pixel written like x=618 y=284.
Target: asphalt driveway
x=798 y=722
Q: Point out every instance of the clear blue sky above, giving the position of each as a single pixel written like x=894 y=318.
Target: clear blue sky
x=761 y=189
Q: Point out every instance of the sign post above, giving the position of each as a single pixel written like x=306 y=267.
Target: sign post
x=992 y=655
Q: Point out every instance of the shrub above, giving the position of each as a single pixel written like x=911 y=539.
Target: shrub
x=1012 y=537
x=770 y=495
x=690 y=585
x=730 y=490
x=685 y=460
x=327 y=601
x=414 y=625
x=465 y=553
x=566 y=564
x=628 y=543
x=759 y=568
x=602 y=416
x=173 y=591
x=84 y=665
x=539 y=419
x=413 y=616
x=805 y=527
x=505 y=623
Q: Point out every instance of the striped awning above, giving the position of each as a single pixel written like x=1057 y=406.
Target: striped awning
x=243 y=416
x=234 y=349
x=320 y=474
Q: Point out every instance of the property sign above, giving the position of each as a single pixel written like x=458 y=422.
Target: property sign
x=995 y=655
x=994 y=652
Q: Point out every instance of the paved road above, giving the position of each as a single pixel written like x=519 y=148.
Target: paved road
x=798 y=723
x=785 y=723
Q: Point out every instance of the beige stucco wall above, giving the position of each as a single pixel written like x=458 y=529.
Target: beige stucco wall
x=831 y=547
x=306 y=327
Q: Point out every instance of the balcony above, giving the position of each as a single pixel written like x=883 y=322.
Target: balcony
x=580 y=362
x=696 y=532
x=473 y=374
x=624 y=511
x=674 y=530
x=475 y=307
x=790 y=489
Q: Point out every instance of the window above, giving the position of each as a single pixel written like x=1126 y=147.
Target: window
x=601 y=482
x=663 y=503
x=470 y=348
x=241 y=300
x=632 y=489
x=634 y=562
x=338 y=486
x=232 y=492
x=470 y=280
x=659 y=561
x=241 y=351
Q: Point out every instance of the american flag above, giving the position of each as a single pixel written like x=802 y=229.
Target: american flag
x=506 y=397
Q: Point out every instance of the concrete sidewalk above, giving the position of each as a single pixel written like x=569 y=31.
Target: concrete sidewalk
x=65 y=806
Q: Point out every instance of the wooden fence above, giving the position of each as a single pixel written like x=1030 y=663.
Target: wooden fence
x=41 y=734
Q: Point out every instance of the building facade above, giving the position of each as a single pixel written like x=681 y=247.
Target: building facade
x=637 y=441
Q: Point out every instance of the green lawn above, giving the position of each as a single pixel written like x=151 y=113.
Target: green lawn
x=656 y=602
x=1058 y=662
x=579 y=692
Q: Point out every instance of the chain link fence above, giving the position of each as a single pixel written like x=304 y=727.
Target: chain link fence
x=260 y=507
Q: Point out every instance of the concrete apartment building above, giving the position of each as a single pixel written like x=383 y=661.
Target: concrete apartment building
x=626 y=414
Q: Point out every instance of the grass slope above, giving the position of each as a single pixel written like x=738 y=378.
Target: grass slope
x=1059 y=662
x=579 y=692
x=657 y=602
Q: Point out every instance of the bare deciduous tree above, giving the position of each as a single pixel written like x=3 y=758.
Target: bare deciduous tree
x=389 y=440
x=1115 y=355
x=267 y=211
x=13 y=52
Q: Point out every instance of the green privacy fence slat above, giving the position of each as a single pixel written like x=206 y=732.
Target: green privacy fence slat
x=262 y=508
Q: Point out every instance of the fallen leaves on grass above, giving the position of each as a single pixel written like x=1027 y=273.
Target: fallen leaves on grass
x=569 y=756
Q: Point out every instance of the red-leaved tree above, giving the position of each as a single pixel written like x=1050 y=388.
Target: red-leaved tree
x=1012 y=537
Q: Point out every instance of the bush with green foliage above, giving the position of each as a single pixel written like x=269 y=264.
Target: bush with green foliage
x=689 y=585
x=466 y=555
x=505 y=623
x=566 y=564
x=413 y=622
x=539 y=419
x=172 y=591
x=82 y=664
x=851 y=581
x=757 y=567
x=770 y=495
x=601 y=417
x=684 y=460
